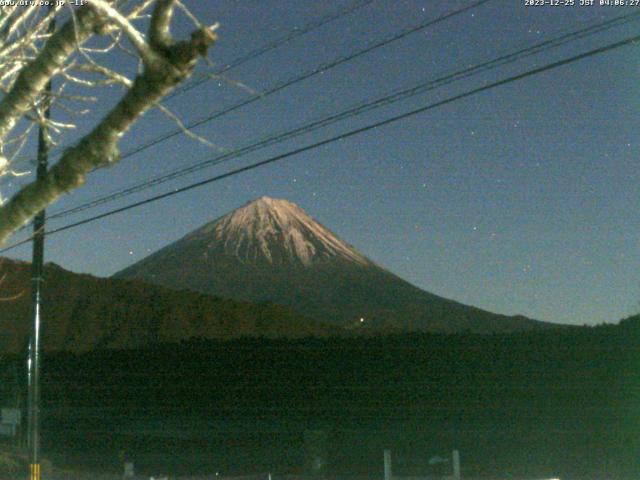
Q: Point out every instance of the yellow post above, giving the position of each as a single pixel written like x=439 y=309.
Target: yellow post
x=34 y=471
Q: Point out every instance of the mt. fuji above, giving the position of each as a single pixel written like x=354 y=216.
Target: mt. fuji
x=270 y=250
x=276 y=232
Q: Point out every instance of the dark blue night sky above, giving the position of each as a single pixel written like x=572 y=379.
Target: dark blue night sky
x=522 y=199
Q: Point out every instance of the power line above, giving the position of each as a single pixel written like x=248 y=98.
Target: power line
x=321 y=68
x=356 y=110
x=298 y=32
x=343 y=136
x=273 y=45
x=304 y=76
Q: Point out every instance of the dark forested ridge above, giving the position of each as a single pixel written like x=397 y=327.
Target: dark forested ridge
x=562 y=402
x=84 y=312
x=271 y=250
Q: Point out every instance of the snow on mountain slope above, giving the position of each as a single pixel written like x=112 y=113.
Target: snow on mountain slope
x=276 y=231
x=271 y=251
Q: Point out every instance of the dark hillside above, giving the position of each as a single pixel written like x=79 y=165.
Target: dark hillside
x=539 y=404
x=272 y=250
x=82 y=312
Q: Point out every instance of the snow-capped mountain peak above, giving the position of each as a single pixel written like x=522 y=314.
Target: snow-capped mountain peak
x=277 y=231
x=271 y=251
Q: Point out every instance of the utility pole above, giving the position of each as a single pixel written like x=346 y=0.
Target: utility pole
x=455 y=456
x=33 y=376
x=388 y=474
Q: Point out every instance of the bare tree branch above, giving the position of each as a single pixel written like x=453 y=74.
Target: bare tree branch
x=164 y=109
x=160 y=29
x=34 y=77
x=168 y=64
x=144 y=50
